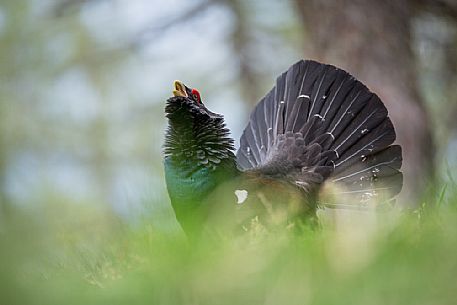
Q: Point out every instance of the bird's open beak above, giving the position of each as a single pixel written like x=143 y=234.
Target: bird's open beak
x=180 y=89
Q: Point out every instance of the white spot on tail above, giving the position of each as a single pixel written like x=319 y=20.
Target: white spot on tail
x=241 y=196
x=319 y=116
x=331 y=134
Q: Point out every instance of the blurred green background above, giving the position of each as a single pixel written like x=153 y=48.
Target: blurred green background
x=84 y=214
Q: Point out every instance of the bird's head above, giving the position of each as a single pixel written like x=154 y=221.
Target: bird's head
x=192 y=127
x=182 y=90
x=187 y=101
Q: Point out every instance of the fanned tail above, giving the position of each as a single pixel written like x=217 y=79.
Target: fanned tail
x=320 y=124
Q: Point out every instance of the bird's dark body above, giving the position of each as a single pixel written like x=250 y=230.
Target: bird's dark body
x=317 y=125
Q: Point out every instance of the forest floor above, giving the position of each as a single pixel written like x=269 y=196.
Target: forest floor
x=57 y=254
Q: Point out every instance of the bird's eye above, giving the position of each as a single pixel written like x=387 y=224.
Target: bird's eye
x=196 y=95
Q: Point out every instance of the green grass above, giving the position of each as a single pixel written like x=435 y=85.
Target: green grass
x=75 y=254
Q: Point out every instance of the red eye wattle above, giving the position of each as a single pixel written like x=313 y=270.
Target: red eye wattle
x=196 y=95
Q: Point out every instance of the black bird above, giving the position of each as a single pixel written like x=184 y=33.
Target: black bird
x=318 y=126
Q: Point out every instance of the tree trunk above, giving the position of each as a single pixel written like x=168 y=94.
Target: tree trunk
x=371 y=39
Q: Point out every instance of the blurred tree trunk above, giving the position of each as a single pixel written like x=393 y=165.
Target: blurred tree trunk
x=372 y=40
x=241 y=44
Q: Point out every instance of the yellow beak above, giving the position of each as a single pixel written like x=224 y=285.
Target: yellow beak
x=180 y=89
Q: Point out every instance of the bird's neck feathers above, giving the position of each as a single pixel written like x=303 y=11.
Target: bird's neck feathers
x=198 y=142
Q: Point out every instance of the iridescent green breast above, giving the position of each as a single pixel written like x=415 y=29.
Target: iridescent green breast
x=188 y=185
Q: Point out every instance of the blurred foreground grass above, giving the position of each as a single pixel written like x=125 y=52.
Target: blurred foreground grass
x=78 y=254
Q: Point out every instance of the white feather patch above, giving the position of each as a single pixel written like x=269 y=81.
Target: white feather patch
x=241 y=196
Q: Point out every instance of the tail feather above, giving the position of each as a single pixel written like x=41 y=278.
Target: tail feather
x=380 y=137
x=369 y=117
x=373 y=171
x=335 y=119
